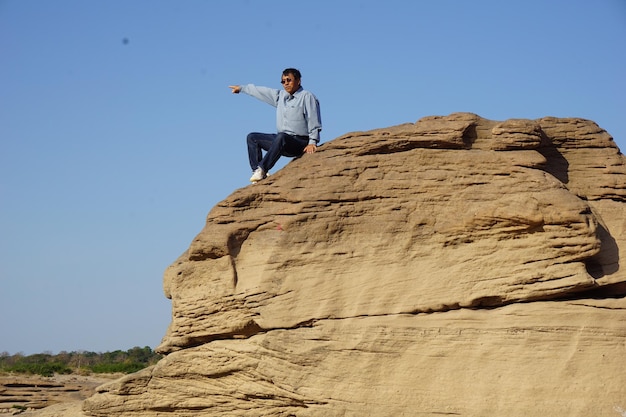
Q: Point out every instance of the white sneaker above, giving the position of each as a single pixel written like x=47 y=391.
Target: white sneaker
x=258 y=175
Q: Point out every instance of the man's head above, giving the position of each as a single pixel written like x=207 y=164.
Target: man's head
x=291 y=80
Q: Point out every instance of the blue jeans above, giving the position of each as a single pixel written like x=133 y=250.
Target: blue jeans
x=275 y=145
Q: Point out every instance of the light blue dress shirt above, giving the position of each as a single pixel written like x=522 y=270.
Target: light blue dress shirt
x=296 y=114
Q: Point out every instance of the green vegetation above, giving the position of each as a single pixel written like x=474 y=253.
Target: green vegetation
x=46 y=364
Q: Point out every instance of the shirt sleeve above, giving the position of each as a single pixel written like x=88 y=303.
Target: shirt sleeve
x=265 y=94
x=313 y=118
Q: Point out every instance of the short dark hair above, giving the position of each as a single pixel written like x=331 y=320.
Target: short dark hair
x=294 y=72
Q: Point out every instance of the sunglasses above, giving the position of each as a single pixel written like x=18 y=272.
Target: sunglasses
x=286 y=81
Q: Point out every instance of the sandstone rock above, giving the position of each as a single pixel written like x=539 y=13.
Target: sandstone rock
x=64 y=409
x=454 y=266
x=33 y=392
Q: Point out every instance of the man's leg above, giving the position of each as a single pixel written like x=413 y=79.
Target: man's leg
x=256 y=143
x=283 y=145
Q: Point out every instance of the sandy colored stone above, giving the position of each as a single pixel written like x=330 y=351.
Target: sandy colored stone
x=59 y=395
x=455 y=266
x=64 y=409
x=550 y=358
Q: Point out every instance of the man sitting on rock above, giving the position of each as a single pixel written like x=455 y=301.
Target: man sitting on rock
x=298 y=122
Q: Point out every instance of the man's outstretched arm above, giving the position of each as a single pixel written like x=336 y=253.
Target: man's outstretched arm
x=265 y=94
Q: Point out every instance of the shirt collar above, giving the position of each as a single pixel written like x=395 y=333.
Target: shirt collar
x=299 y=90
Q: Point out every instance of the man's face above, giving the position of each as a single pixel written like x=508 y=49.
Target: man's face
x=290 y=83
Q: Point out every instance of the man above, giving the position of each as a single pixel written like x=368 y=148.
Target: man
x=298 y=122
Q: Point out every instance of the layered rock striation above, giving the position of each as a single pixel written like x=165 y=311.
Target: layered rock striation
x=30 y=394
x=453 y=266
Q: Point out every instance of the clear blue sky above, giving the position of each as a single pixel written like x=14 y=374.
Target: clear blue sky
x=118 y=132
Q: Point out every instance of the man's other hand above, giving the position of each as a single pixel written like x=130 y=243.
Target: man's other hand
x=236 y=89
x=311 y=148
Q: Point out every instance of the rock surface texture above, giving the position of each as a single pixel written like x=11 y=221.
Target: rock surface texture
x=31 y=394
x=454 y=266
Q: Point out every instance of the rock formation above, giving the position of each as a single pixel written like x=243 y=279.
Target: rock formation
x=453 y=266
x=19 y=393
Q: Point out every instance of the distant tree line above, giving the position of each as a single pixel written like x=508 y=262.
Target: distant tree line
x=81 y=362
